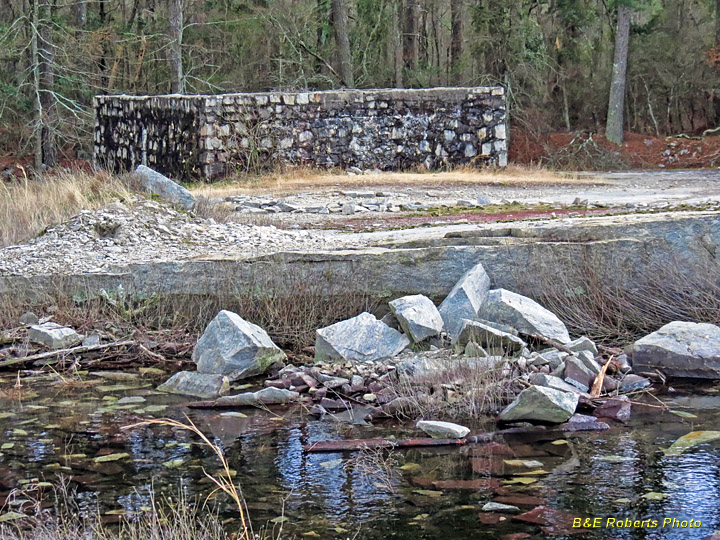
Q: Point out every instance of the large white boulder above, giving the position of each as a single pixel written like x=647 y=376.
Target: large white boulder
x=541 y=404
x=418 y=316
x=680 y=349
x=362 y=339
x=236 y=348
x=524 y=314
x=465 y=299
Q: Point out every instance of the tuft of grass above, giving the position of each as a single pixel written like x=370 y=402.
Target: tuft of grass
x=29 y=206
x=180 y=520
x=376 y=466
x=461 y=390
x=224 y=482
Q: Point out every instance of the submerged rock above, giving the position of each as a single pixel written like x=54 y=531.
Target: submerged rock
x=680 y=349
x=362 y=339
x=234 y=347
x=53 y=335
x=617 y=408
x=443 y=430
x=418 y=316
x=523 y=314
x=165 y=188
x=541 y=404
x=500 y=507
x=191 y=383
x=465 y=299
x=266 y=396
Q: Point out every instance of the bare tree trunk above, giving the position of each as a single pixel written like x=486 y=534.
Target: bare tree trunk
x=456 y=38
x=398 y=43
x=322 y=15
x=80 y=13
x=44 y=84
x=177 y=80
x=614 y=127
x=342 y=41
x=37 y=102
x=411 y=45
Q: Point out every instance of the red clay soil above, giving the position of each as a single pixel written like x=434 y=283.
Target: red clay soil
x=638 y=151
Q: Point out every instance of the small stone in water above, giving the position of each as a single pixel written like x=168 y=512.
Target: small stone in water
x=499 y=507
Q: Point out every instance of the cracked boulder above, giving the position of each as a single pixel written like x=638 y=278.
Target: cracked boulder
x=361 y=339
x=465 y=299
x=680 y=349
x=236 y=348
x=541 y=404
x=524 y=314
x=418 y=316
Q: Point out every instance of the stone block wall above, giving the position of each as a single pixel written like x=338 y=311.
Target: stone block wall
x=205 y=137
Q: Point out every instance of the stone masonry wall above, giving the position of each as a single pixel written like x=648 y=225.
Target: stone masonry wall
x=192 y=137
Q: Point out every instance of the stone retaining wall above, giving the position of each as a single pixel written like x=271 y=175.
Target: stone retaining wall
x=191 y=137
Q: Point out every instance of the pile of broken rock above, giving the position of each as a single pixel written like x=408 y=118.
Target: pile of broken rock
x=360 y=360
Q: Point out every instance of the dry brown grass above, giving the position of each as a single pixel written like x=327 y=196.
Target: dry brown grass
x=620 y=311
x=292 y=180
x=29 y=206
x=463 y=390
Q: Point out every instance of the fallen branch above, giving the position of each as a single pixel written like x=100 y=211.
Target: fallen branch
x=154 y=356
x=596 y=389
x=362 y=444
x=60 y=352
x=536 y=433
x=552 y=343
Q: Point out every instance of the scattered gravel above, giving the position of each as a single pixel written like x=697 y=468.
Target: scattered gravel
x=144 y=230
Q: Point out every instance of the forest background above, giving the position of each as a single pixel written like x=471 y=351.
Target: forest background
x=554 y=57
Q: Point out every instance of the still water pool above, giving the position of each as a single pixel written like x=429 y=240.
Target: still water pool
x=52 y=431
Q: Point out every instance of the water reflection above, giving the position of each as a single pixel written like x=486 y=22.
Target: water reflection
x=618 y=474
